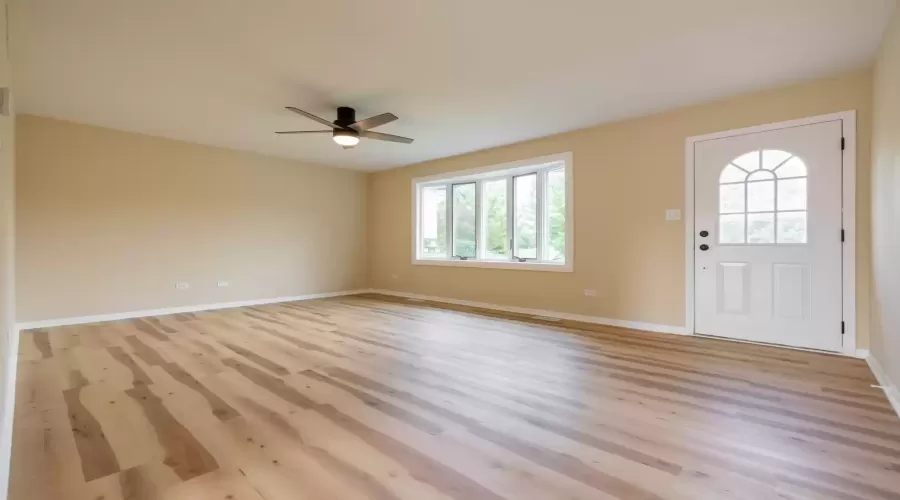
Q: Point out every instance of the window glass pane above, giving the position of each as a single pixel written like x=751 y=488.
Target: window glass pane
x=556 y=215
x=761 y=228
x=792 y=168
x=464 y=220
x=792 y=194
x=731 y=229
x=761 y=196
x=732 y=174
x=792 y=227
x=773 y=157
x=731 y=198
x=434 y=222
x=760 y=175
x=749 y=161
x=495 y=222
x=525 y=216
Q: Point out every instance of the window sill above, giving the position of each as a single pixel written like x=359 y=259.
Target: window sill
x=489 y=264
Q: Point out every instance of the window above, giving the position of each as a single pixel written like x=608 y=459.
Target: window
x=762 y=199
x=515 y=216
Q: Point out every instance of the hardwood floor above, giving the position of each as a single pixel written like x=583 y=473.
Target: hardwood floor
x=360 y=397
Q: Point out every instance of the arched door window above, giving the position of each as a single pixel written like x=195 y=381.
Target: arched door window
x=762 y=199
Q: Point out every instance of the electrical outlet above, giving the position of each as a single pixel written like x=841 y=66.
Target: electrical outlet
x=222 y=284
x=182 y=286
x=589 y=292
x=673 y=214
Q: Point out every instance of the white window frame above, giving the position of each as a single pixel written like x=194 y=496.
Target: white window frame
x=508 y=171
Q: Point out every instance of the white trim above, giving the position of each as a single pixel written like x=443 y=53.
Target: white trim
x=497 y=264
x=8 y=412
x=848 y=119
x=527 y=164
x=50 y=323
x=891 y=390
x=849 y=225
x=861 y=353
x=635 y=325
x=508 y=170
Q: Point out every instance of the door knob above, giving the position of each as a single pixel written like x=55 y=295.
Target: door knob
x=704 y=234
x=704 y=247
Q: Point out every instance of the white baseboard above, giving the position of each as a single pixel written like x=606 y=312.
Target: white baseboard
x=50 y=323
x=891 y=390
x=8 y=412
x=635 y=325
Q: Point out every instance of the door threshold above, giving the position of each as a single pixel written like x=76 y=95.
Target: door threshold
x=767 y=344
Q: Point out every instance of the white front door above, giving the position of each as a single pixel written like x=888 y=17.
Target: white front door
x=767 y=239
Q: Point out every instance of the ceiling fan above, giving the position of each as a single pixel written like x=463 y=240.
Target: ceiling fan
x=346 y=131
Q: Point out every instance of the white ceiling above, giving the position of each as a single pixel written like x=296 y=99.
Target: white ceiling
x=462 y=75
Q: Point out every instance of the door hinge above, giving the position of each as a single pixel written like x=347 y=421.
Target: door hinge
x=843 y=143
x=842 y=235
x=843 y=328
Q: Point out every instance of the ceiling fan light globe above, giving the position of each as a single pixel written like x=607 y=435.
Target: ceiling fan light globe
x=346 y=140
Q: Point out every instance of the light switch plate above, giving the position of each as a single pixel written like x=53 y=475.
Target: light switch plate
x=673 y=214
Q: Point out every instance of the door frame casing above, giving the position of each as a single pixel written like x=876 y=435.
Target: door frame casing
x=848 y=216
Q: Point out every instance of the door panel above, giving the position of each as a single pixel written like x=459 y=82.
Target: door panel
x=769 y=269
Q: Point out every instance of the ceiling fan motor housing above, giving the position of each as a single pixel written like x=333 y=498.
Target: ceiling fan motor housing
x=345 y=117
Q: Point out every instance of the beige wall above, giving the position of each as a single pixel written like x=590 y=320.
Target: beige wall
x=110 y=221
x=886 y=205
x=7 y=201
x=8 y=332
x=626 y=175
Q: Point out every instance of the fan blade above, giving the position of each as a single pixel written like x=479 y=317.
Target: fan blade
x=305 y=132
x=375 y=121
x=312 y=117
x=385 y=137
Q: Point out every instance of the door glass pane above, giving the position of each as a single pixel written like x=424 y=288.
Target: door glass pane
x=731 y=229
x=495 y=222
x=760 y=175
x=761 y=196
x=732 y=174
x=464 y=220
x=556 y=215
x=761 y=228
x=525 y=195
x=792 y=194
x=749 y=161
x=434 y=222
x=774 y=157
x=731 y=198
x=792 y=168
x=792 y=227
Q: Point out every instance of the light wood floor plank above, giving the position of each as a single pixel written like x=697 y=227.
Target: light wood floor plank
x=372 y=397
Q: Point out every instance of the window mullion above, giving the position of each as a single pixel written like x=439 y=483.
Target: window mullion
x=479 y=226
x=420 y=222
x=510 y=217
x=746 y=216
x=448 y=188
x=539 y=214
